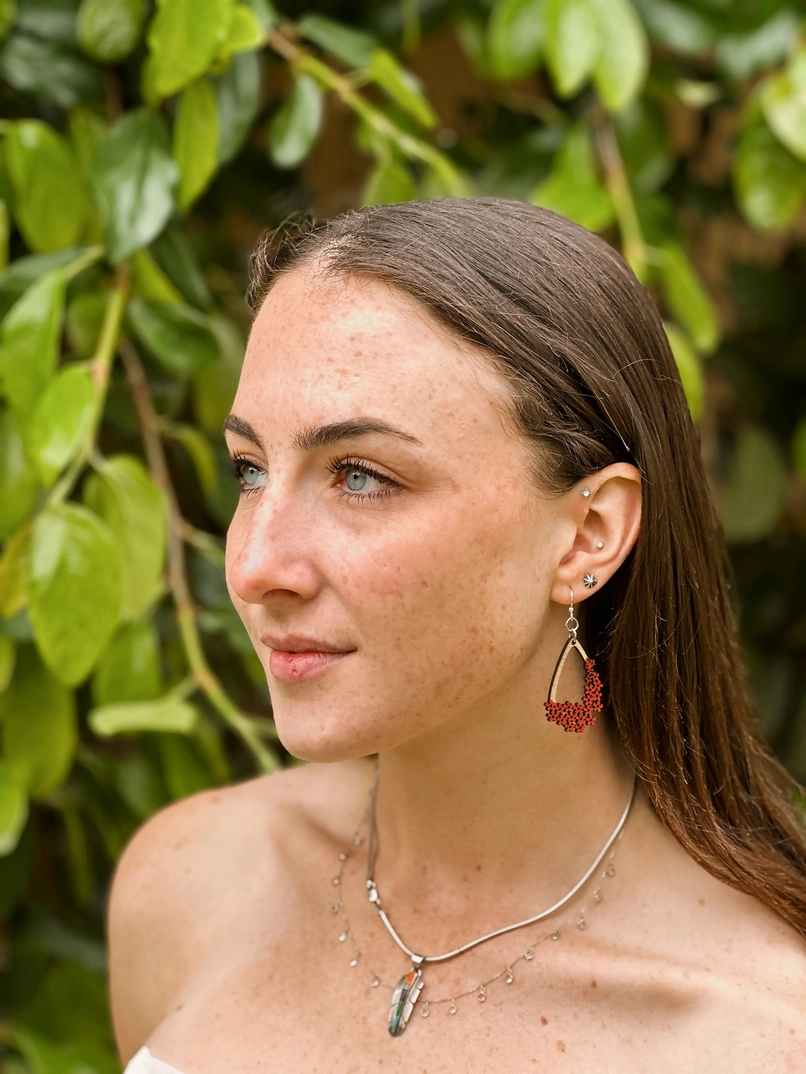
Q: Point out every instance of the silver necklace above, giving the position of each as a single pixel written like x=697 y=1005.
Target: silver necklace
x=407 y=990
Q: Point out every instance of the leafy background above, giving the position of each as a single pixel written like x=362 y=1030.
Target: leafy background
x=144 y=148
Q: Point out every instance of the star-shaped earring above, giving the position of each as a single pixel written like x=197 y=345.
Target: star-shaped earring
x=589 y=581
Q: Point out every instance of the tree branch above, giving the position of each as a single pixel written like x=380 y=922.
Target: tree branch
x=201 y=671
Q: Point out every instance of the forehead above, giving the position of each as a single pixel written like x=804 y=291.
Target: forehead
x=326 y=342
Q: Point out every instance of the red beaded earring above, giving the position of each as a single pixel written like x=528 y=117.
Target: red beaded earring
x=575 y=715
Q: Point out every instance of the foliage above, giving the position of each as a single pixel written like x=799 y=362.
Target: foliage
x=143 y=149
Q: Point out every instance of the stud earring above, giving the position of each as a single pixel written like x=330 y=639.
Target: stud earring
x=589 y=581
x=571 y=715
x=600 y=544
x=586 y=492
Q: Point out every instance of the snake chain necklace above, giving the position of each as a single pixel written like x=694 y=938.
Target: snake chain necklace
x=407 y=990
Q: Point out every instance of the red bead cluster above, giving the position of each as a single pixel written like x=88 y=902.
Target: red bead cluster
x=577 y=715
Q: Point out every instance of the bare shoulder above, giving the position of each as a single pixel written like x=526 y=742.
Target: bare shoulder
x=182 y=873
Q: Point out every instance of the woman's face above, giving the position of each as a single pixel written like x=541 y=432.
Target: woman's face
x=434 y=570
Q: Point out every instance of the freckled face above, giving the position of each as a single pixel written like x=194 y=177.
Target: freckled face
x=435 y=570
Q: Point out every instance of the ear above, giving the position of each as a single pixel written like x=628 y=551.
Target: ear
x=610 y=516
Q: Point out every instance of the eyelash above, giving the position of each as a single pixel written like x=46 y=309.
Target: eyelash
x=335 y=465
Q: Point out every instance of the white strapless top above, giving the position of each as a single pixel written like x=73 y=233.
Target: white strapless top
x=143 y=1062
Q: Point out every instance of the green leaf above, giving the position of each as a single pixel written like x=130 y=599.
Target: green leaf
x=388 y=183
x=687 y=298
x=38 y=725
x=195 y=146
x=201 y=454
x=51 y=200
x=245 y=34
x=61 y=422
x=83 y=322
x=108 y=30
x=129 y=669
x=214 y=385
x=353 y=47
x=644 y=148
x=573 y=41
x=783 y=101
x=29 y=341
x=122 y=493
x=20 y=274
x=770 y=182
x=166 y=714
x=13 y=809
x=13 y=573
x=174 y=254
x=238 y=97
x=516 y=37
x=150 y=282
x=573 y=188
x=754 y=493
x=134 y=176
x=8 y=13
x=179 y=336
x=49 y=71
x=623 y=60
x=295 y=124
x=742 y=55
x=75 y=589
x=184 y=38
x=689 y=366
x=677 y=26
x=8 y=657
x=183 y=769
x=402 y=86
x=18 y=483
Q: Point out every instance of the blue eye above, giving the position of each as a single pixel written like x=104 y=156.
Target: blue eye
x=355 y=470
x=249 y=475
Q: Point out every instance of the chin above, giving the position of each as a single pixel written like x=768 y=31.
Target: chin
x=321 y=734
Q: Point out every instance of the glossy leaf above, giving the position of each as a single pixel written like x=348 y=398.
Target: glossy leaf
x=174 y=254
x=238 y=98
x=402 y=86
x=184 y=39
x=20 y=274
x=29 y=342
x=573 y=43
x=295 y=124
x=165 y=714
x=679 y=27
x=687 y=297
x=765 y=46
x=622 y=63
x=123 y=494
x=353 y=47
x=179 y=336
x=13 y=808
x=150 y=282
x=201 y=454
x=109 y=30
x=388 y=183
x=214 y=385
x=770 y=182
x=83 y=321
x=38 y=725
x=783 y=101
x=50 y=71
x=753 y=495
x=18 y=482
x=134 y=176
x=51 y=200
x=689 y=366
x=195 y=144
x=244 y=35
x=75 y=589
x=61 y=422
x=516 y=37
x=573 y=187
x=129 y=669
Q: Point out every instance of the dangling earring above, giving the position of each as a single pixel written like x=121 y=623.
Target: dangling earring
x=575 y=715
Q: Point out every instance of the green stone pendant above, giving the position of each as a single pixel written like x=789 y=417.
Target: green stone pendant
x=405 y=996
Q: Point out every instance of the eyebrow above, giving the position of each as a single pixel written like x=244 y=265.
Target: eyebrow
x=317 y=436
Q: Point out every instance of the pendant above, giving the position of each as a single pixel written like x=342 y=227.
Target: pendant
x=405 y=996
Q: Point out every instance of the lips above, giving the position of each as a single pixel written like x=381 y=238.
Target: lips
x=296 y=666
x=300 y=643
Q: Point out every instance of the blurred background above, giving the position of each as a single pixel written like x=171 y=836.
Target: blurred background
x=144 y=149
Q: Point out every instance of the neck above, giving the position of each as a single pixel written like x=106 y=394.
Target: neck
x=495 y=807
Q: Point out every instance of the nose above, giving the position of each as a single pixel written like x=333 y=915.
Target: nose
x=268 y=551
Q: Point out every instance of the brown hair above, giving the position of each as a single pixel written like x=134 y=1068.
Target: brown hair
x=594 y=381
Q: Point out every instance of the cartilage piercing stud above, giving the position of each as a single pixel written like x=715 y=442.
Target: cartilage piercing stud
x=600 y=544
x=586 y=492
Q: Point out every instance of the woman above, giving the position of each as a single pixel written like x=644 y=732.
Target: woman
x=463 y=447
